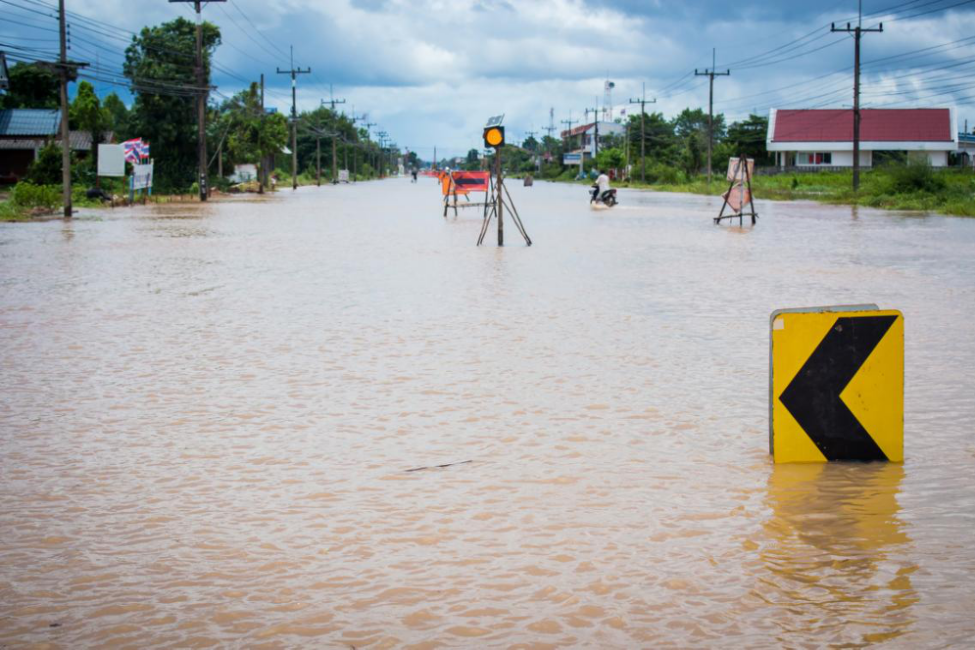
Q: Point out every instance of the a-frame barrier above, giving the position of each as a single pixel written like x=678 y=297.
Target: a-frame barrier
x=739 y=191
x=454 y=185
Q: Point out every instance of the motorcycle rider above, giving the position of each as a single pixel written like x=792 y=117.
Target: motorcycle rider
x=601 y=186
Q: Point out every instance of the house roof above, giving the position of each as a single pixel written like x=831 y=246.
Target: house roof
x=585 y=128
x=80 y=141
x=20 y=122
x=876 y=125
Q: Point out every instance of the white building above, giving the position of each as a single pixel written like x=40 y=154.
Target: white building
x=582 y=139
x=813 y=138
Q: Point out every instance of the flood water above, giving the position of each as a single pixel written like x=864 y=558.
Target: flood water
x=208 y=414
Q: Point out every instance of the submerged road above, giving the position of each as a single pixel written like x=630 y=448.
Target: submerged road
x=208 y=413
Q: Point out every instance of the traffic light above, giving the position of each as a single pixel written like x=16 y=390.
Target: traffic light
x=494 y=136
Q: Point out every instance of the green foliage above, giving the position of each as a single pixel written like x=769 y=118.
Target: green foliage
x=47 y=168
x=118 y=116
x=86 y=113
x=32 y=86
x=28 y=195
x=665 y=174
x=159 y=63
x=915 y=176
x=11 y=212
x=748 y=137
x=251 y=135
x=610 y=158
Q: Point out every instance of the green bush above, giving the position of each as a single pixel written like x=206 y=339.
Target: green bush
x=915 y=176
x=46 y=169
x=665 y=174
x=28 y=195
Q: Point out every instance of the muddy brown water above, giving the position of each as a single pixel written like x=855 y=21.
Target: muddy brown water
x=207 y=414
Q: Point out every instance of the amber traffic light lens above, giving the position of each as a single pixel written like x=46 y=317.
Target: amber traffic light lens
x=494 y=137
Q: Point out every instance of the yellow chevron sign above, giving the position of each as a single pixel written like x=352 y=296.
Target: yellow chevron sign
x=837 y=384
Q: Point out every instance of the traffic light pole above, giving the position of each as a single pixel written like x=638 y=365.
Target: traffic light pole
x=498 y=187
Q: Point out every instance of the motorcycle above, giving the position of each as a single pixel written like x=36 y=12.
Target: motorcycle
x=608 y=198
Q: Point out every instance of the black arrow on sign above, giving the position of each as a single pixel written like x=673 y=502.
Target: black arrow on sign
x=813 y=395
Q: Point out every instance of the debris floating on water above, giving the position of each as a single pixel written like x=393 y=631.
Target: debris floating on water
x=417 y=469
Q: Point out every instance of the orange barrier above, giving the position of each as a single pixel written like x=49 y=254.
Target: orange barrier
x=464 y=182
x=471 y=181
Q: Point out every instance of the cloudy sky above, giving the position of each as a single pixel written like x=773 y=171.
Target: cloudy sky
x=430 y=72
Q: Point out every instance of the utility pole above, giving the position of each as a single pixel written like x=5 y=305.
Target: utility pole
x=369 y=126
x=355 y=145
x=201 y=99
x=382 y=156
x=63 y=69
x=318 y=152
x=643 y=132
x=332 y=101
x=262 y=180
x=857 y=32
x=568 y=129
x=595 y=137
x=568 y=126
x=712 y=74
x=294 y=115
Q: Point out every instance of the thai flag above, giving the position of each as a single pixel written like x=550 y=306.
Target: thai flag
x=131 y=149
x=143 y=149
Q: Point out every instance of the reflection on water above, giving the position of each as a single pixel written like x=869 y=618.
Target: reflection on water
x=208 y=414
x=835 y=553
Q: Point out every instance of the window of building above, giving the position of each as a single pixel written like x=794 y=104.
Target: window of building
x=818 y=158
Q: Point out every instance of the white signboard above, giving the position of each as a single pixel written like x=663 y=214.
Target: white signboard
x=343 y=175
x=111 y=160
x=142 y=177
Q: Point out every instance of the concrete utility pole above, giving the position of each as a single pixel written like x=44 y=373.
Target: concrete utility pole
x=712 y=74
x=368 y=126
x=262 y=178
x=568 y=130
x=595 y=137
x=201 y=99
x=63 y=69
x=382 y=135
x=294 y=115
x=332 y=101
x=568 y=126
x=857 y=32
x=643 y=132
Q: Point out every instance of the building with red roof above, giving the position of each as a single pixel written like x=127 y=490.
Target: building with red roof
x=813 y=138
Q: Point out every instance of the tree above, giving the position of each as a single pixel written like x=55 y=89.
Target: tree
x=661 y=145
x=32 y=86
x=87 y=114
x=118 y=116
x=611 y=158
x=530 y=143
x=691 y=129
x=473 y=161
x=160 y=66
x=748 y=137
x=46 y=168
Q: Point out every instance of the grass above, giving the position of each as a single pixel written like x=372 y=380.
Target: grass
x=911 y=187
x=10 y=212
